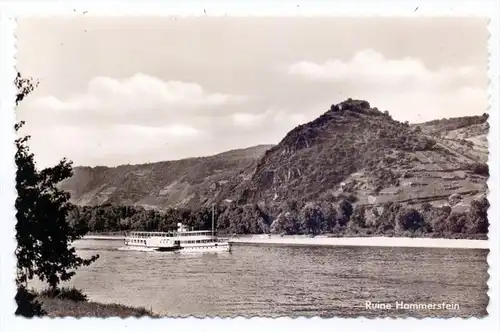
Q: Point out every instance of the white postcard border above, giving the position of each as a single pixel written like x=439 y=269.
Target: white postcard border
x=9 y=10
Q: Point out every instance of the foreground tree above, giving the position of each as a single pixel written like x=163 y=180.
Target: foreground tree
x=42 y=232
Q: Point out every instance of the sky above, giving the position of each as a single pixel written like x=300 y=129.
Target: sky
x=136 y=90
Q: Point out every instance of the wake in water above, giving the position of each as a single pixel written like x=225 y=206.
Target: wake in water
x=171 y=252
x=118 y=249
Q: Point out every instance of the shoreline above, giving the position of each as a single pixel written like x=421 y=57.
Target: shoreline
x=372 y=241
x=375 y=241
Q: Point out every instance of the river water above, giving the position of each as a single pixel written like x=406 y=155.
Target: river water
x=288 y=281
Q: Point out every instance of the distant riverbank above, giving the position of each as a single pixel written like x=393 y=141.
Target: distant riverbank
x=360 y=241
x=304 y=240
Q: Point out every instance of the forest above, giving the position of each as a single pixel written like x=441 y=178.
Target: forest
x=338 y=217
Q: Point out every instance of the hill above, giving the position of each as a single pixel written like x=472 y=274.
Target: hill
x=465 y=135
x=352 y=171
x=354 y=149
x=189 y=182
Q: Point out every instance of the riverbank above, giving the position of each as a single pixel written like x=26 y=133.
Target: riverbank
x=370 y=241
x=65 y=307
x=297 y=240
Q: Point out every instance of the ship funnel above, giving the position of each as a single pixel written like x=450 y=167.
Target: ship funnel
x=180 y=227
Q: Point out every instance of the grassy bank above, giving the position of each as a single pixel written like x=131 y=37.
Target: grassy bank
x=64 y=308
x=73 y=303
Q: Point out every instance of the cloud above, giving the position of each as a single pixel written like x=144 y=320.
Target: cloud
x=369 y=67
x=138 y=100
x=273 y=117
x=406 y=87
x=142 y=119
x=116 y=121
x=248 y=120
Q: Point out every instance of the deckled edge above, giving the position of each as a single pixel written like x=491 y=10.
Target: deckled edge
x=7 y=167
x=494 y=167
x=7 y=173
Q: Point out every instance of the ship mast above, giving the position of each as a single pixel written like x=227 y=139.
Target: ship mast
x=213 y=222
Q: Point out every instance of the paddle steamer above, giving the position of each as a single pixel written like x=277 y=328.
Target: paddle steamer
x=182 y=240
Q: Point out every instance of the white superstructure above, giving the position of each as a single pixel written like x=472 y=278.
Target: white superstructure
x=160 y=241
x=200 y=241
x=182 y=240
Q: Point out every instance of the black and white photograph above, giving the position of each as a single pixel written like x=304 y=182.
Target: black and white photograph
x=222 y=166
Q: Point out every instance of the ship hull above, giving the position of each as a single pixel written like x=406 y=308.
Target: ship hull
x=222 y=247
